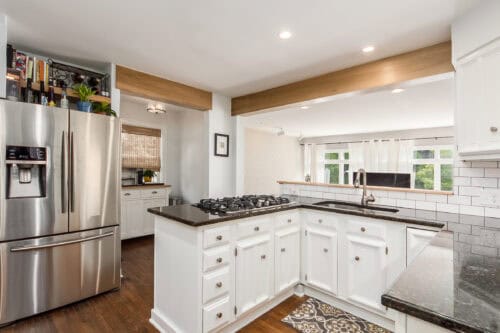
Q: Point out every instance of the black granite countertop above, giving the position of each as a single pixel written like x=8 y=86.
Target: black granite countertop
x=196 y=217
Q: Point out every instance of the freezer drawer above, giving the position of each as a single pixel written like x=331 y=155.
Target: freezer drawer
x=40 y=274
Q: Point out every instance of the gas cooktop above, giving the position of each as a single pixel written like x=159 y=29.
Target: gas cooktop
x=232 y=205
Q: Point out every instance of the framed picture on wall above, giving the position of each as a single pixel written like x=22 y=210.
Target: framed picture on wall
x=221 y=146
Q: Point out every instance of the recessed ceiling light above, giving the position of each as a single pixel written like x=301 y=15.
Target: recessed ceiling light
x=285 y=34
x=368 y=49
x=397 y=90
x=304 y=107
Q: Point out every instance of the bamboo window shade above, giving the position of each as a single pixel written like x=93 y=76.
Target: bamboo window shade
x=141 y=148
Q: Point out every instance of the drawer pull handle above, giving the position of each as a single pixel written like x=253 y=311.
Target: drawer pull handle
x=219 y=284
x=493 y=129
x=219 y=315
x=363 y=229
x=320 y=221
x=263 y=257
x=256 y=228
x=356 y=258
x=325 y=250
x=219 y=238
x=126 y=194
x=282 y=249
x=289 y=221
x=154 y=192
x=219 y=260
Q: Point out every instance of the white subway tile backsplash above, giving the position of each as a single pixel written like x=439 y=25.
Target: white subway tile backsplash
x=462 y=164
x=470 y=191
x=492 y=212
x=459 y=199
x=447 y=208
x=405 y=203
x=484 y=164
x=396 y=195
x=425 y=205
x=485 y=182
x=415 y=196
x=328 y=195
x=342 y=197
x=471 y=210
x=436 y=198
x=462 y=181
x=385 y=201
x=490 y=172
x=471 y=172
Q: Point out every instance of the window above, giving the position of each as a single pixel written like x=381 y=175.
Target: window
x=433 y=168
x=336 y=167
x=141 y=148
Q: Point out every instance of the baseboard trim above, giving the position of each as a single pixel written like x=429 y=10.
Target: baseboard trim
x=161 y=323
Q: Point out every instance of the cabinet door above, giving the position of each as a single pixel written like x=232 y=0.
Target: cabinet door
x=254 y=272
x=287 y=258
x=148 y=226
x=134 y=217
x=321 y=258
x=366 y=271
x=490 y=63
x=416 y=240
x=123 y=221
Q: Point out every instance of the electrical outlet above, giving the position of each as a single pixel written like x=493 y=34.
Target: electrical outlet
x=490 y=198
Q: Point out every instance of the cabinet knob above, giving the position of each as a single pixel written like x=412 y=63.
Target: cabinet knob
x=219 y=315
x=154 y=192
x=320 y=221
x=256 y=228
x=493 y=129
x=219 y=284
x=325 y=250
x=127 y=194
x=219 y=260
x=282 y=249
x=363 y=229
x=263 y=257
x=289 y=221
x=356 y=258
x=218 y=237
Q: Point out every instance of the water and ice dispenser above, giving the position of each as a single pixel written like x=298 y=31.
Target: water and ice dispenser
x=26 y=172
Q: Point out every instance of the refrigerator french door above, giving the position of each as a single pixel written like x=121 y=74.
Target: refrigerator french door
x=59 y=233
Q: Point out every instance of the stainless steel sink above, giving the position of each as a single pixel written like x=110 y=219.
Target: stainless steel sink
x=354 y=206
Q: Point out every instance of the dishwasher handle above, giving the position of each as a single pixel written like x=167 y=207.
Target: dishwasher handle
x=68 y=242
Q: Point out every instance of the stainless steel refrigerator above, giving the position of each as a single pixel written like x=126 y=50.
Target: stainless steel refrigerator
x=59 y=207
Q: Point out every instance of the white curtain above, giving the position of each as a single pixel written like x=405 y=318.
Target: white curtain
x=381 y=156
x=314 y=157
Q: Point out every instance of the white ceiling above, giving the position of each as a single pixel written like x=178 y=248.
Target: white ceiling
x=426 y=105
x=230 y=46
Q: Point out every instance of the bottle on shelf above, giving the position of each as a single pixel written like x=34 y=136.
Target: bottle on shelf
x=52 y=98
x=28 y=96
x=43 y=97
x=64 y=99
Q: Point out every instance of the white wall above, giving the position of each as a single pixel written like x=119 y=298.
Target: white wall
x=222 y=171
x=269 y=158
x=3 y=51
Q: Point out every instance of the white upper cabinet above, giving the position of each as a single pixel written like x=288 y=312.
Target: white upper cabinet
x=287 y=258
x=476 y=57
x=321 y=258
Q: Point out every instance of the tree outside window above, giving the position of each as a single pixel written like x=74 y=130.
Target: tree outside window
x=336 y=167
x=433 y=168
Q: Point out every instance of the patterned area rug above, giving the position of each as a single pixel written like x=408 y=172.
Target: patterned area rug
x=314 y=316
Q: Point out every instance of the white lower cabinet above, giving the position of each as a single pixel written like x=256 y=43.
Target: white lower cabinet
x=287 y=258
x=253 y=272
x=366 y=271
x=321 y=258
x=132 y=217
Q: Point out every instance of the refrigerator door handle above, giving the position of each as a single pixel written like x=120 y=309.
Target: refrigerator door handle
x=72 y=174
x=64 y=181
x=73 y=241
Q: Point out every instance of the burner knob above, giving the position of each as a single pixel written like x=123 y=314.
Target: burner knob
x=256 y=228
x=218 y=237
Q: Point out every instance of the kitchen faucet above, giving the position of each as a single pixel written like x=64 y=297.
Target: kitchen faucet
x=365 y=199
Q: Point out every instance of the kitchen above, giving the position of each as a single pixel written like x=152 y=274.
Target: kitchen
x=354 y=178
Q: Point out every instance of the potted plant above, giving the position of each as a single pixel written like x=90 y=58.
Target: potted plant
x=103 y=108
x=148 y=175
x=84 y=92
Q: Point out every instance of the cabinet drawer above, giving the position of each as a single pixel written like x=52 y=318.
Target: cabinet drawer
x=216 y=315
x=216 y=236
x=153 y=193
x=318 y=219
x=130 y=195
x=365 y=227
x=216 y=284
x=253 y=227
x=286 y=219
x=216 y=257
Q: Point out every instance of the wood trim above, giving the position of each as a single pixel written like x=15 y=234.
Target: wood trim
x=428 y=61
x=141 y=130
x=159 y=89
x=374 y=188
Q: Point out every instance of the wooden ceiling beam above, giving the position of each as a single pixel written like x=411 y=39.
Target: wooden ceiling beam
x=428 y=61
x=159 y=89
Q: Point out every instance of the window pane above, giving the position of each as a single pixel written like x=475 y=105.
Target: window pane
x=346 y=156
x=446 y=177
x=332 y=173
x=346 y=173
x=446 y=153
x=424 y=176
x=426 y=154
x=331 y=156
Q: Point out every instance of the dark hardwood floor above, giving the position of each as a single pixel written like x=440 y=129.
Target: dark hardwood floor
x=128 y=309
